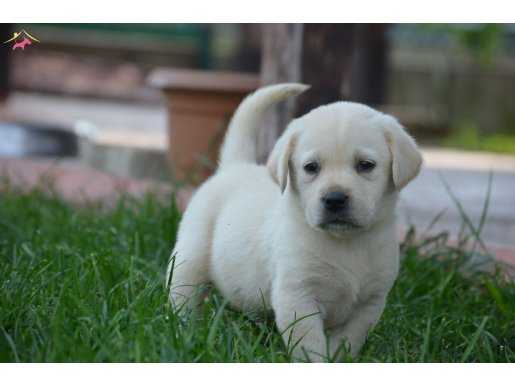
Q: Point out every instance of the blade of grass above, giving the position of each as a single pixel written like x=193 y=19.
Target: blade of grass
x=11 y=344
x=463 y=214
x=435 y=220
x=214 y=325
x=425 y=344
x=473 y=340
x=484 y=211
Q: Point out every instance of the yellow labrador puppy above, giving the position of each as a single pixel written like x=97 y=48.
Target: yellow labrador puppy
x=312 y=234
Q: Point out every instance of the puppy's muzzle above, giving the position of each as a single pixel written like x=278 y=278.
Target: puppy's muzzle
x=337 y=213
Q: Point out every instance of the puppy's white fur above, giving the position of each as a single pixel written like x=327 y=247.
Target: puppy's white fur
x=260 y=234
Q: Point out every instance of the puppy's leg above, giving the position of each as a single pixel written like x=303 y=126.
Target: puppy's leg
x=355 y=330
x=300 y=321
x=188 y=270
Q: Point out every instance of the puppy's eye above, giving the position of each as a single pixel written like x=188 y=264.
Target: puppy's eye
x=312 y=167
x=365 y=165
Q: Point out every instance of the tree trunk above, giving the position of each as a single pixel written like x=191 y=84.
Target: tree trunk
x=248 y=54
x=370 y=65
x=280 y=62
x=326 y=61
x=5 y=33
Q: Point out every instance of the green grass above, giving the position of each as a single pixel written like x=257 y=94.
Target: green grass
x=87 y=284
x=467 y=137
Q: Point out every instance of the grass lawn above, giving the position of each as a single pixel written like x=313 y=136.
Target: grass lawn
x=87 y=284
x=467 y=136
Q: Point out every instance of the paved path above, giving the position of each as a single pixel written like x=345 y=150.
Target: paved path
x=427 y=196
x=467 y=175
x=65 y=112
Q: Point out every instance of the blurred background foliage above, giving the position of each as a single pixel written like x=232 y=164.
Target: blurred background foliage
x=452 y=84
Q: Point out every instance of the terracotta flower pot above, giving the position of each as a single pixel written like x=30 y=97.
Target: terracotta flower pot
x=200 y=105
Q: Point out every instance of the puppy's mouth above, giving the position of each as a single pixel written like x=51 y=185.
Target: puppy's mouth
x=340 y=225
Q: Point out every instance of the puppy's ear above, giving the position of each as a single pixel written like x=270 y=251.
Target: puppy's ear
x=406 y=158
x=279 y=159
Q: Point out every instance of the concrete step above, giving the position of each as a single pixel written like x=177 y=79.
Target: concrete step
x=140 y=155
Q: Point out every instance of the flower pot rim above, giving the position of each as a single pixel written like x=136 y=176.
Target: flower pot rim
x=168 y=79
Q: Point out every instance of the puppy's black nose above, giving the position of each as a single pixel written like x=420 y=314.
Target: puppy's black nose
x=335 y=201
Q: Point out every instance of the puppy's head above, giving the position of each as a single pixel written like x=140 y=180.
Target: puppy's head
x=344 y=164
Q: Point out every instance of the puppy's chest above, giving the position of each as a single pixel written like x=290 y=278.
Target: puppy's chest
x=339 y=288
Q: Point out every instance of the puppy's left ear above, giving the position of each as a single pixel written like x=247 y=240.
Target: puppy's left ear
x=406 y=157
x=278 y=163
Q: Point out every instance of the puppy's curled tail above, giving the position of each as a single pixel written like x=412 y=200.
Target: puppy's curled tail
x=240 y=143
